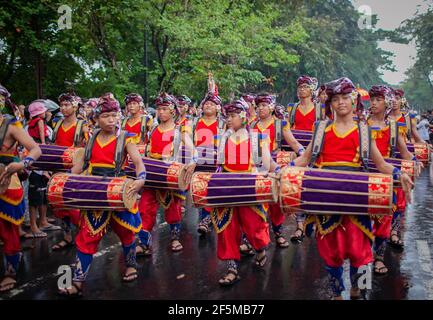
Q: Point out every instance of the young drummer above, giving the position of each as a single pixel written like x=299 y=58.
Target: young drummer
x=164 y=144
x=230 y=223
x=302 y=117
x=341 y=237
x=267 y=126
x=103 y=159
x=387 y=139
x=69 y=132
x=206 y=135
x=12 y=206
x=137 y=122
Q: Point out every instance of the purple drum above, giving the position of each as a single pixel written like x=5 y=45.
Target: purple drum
x=317 y=191
x=406 y=166
x=57 y=158
x=303 y=137
x=68 y=191
x=232 y=189
x=161 y=174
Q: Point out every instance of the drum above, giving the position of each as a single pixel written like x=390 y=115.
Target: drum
x=283 y=158
x=316 y=191
x=68 y=191
x=57 y=158
x=207 y=159
x=420 y=150
x=303 y=137
x=232 y=189
x=161 y=174
x=406 y=166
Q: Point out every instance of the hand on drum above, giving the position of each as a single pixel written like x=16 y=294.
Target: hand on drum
x=407 y=185
x=189 y=170
x=135 y=187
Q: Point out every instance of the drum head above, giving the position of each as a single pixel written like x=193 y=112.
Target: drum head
x=128 y=201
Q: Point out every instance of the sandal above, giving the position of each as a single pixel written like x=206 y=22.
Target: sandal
x=226 y=281
x=63 y=244
x=146 y=251
x=397 y=244
x=249 y=251
x=8 y=286
x=50 y=227
x=33 y=235
x=261 y=262
x=203 y=228
x=127 y=276
x=66 y=293
x=281 y=244
x=176 y=247
x=297 y=239
x=378 y=270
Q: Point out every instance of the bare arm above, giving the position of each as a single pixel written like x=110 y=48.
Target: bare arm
x=305 y=158
x=415 y=133
x=402 y=147
x=135 y=157
x=291 y=140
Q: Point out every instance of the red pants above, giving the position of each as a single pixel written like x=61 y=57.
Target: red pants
x=149 y=205
x=346 y=241
x=87 y=243
x=244 y=220
x=276 y=216
x=10 y=235
x=382 y=228
x=74 y=215
x=401 y=200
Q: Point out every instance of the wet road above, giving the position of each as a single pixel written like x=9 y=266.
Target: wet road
x=293 y=273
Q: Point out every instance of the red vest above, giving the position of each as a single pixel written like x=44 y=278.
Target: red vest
x=205 y=134
x=304 y=121
x=161 y=143
x=238 y=156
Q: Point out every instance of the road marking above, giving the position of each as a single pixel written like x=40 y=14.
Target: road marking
x=424 y=258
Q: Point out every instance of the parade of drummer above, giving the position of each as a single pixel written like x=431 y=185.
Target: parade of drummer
x=69 y=132
x=165 y=140
x=227 y=134
x=388 y=140
x=341 y=237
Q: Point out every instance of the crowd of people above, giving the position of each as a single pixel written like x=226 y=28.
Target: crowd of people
x=333 y=113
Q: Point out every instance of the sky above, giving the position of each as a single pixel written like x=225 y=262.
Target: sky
x=391 y=13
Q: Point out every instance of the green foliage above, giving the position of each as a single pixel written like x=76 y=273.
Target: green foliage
x=247 y=45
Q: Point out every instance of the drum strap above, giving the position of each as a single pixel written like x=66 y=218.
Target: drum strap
x=364 y=143
x=78 y=132
x=120 y=151
x=56 y=130
x=408 y=125
x=89 y=148
x=220 y=130
x=154 y=126
x=318 y=138
x=222 y=147
x=393 y=137
x=292 y=114
x=194 y=126
x=143 y=128
x=318 y=111
x=124 y=121
x=278 y=133
x=7 y=120
x=256 y=149
x=177 y=140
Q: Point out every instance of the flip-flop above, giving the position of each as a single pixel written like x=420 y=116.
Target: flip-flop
x=67 y=244
x=176 y=248
x=51 y=228
x=35 y=235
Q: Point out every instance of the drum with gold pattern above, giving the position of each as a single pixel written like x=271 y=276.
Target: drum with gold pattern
x=317 y=191
x=57 y=158
x=232 y=189
x=70 y=191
